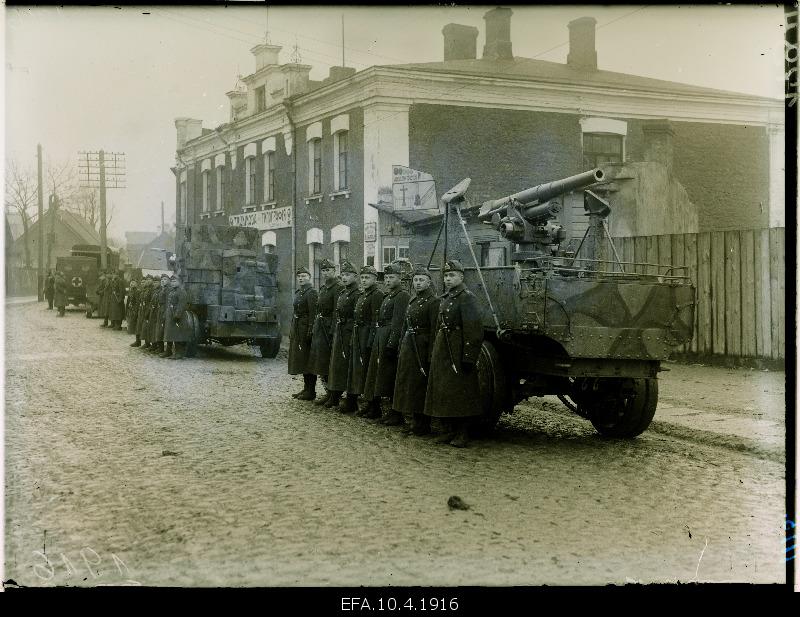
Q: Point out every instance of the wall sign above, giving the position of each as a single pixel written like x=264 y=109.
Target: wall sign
x=263 y=220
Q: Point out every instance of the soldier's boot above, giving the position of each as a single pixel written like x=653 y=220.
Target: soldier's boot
x=373 y=409
x=297 y=394
x=309 y=392
x=363 y=411
x=333 y=399
x=461 y=439
x=118 y=326
x=104 y=324
x=167 y=351
x=137 y=342
x=180 y=351
x=420 y=424
x=448 y=434
x=158 y=347
x=323 y=399
x=348 y=404
x=393 y=418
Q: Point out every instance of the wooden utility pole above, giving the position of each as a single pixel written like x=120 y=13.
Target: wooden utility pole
x=40 y=261
x=93 y=171
x=342 y=39
x=51 y=237
x=103 y=245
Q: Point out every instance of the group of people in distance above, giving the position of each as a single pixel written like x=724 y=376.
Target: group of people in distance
x=418 y=352
x=55 y=291
x=157 y=315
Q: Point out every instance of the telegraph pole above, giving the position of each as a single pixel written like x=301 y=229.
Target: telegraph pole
x=97 y=171
x=40 y=261
x=51 y=237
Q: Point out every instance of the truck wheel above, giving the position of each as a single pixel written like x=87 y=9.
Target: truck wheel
x=89 y=311
x=493 y=389
x=270 y=347
x=619 y=407
x=191 y=346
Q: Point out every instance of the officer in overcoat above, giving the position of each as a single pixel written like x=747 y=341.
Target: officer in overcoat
x=413 y=365
x=383 y=361
x=116 y=305
x=131 y=308
x=60 y=293
x=49 y=289
x=453 y=393
x=300 y=333
x=322 y=337
x=177 y=329
x=161 y=314
x=142 y=339
x=364 y=315
x=342 y=337
x=102 y=283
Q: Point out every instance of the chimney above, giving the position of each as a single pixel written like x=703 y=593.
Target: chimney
x=582 y=54
x=296 y=78
x=658 y=147
x=266 y=55
x=498 y=34
x=338 y=73
x=187 y=129
x=460 y=42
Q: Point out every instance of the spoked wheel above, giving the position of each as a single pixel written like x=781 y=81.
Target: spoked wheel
x=270 y=347
x=493 y=389
x=617 y=407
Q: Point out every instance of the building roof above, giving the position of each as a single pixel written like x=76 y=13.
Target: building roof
x=140 y=237
x=408 y=217
x=82 y=229
x=529 y=69
x=14 y=222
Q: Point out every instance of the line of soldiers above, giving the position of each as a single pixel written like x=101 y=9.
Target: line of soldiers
x=418 y=352
x=111 y=291
x=55 y=291
x=156 y=314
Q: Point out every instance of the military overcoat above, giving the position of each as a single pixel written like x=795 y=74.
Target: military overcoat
x=49 y=287
x=102 y=283
x=132 y=309
x=305 y=308
x=322 y=337
x=177 y=327
x=143 y=310
x=60 y=292
x=116 y=304
x=342 y=337
x=452 y=393
x=416 y=348
x=161 y=311
x=383 y=361
x=364 y=315
x=106 y=299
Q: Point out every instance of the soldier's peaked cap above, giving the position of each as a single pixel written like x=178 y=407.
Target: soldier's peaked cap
x=348 y=267
x=327 y=264
x=369 y=270
x=453 y=266
x=391 y=269
x=166 y=276
x=302 y=270
x=422 y=271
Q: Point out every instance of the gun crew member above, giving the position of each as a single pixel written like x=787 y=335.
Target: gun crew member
x=322 y=337
x=342 y=340
x=49 y=289
x=305 y=307
x=177 y=329
x=60 y=293
x=364 y=314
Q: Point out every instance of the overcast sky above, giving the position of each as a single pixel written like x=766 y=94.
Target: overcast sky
x=91 y=78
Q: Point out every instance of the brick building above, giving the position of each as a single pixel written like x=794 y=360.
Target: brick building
x=302 y=160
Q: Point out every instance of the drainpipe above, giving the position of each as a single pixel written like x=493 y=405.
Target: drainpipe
x=288 y=107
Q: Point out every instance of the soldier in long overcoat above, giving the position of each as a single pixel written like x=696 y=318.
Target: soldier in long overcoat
x=177 y=327
x=383 y=361
x=161 y=315
x=322 y=337
x=364 y=315
x=342 y=337
x=300 y=333
x=60 y=293
x=131 y=308
x=102 y=283
x=453 y=393
x=142 y=338
x=49 y=289
x=116 y=305
x=413 y=365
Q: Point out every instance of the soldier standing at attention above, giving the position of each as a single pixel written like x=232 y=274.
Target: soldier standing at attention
x=102 y=282
x=156 y=314
x=130 y=308
x=453 y=394
x=413 y=365
x=383 y=362
x=141 y=313
x=116 y=305
x=305 y=307
x=176 y=329
x=342 y=340
x=60 y=293
x=107 y=299
x=364 y=314
x=161 y=314
x=49 y=289
x=322 y=338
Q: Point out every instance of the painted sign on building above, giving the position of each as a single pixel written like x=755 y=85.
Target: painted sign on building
x=263 y=220
x=412 y=189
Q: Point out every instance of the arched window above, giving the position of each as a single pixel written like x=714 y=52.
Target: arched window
x=340 y=160
x=269 y=242
x=314 y=242
x=314 y=141
x=340 y=238
x=250 y=174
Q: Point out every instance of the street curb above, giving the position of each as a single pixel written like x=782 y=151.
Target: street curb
x=22 y=301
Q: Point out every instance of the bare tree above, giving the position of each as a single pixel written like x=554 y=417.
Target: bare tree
x=21 y=199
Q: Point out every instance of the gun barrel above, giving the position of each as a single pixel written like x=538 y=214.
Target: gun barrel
x=541 y=193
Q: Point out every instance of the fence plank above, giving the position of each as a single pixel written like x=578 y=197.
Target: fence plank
x=652 y=254
x=627 y=254
x=665 y=253
x=748 y=293
x=777 y=285
x=698 y=256
x=733 y=294
x=640 y=253
x=679 y=259
x=763 y=297
x=718 y=292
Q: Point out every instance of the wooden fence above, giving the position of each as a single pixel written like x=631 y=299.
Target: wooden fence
x=740 y=278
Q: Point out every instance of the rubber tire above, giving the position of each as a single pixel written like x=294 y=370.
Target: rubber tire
x=493 y=389
x=191 y=346
x=89 y=311
x=636 y=413
x=270 y=347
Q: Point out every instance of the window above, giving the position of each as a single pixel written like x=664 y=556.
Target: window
x=601 y=148
x=269 y=241
x=220 y=187
x=269 y=176
x=315 y=166
x=250 y=180
x=395 y=247
x=340 y=140
x=206 y=190
x=389 y=254
x=261 y=99
x=340 y=252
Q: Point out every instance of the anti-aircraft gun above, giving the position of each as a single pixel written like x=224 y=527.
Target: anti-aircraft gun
x=590 y=330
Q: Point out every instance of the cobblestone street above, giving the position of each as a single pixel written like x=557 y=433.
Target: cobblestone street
x=123 y=467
